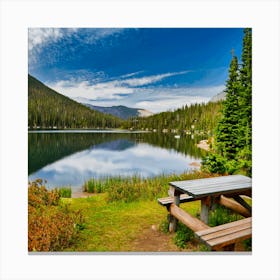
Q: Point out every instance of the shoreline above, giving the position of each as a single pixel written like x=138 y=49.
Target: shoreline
x=203 y=144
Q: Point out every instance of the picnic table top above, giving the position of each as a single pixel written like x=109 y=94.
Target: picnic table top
x=232 y=184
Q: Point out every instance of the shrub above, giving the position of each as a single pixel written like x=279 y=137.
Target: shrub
x=52 y=226
x=214 y=163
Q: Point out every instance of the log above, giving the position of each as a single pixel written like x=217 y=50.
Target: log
x=241 y=201
x=235 y=206
x=187 y=219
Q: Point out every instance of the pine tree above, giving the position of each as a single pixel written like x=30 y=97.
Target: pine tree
x=233 y=135
x=227 y=132
x=245 y=103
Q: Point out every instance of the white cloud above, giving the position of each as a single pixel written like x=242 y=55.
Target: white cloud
x=162 y=99
x=75 y=88
x=150 y=79
x=38 y=38
x=109 y=90
x=130 y=92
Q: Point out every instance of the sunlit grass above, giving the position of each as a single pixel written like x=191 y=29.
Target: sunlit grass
x=112 y=227
x=135 y=188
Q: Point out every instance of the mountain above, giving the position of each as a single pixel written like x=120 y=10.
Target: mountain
x=122 y=112
x=50 y=109
x=218 y=97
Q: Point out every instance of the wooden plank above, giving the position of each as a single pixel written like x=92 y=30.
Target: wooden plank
x=219 y=243
x=165 y=201
x=233 y=205
x=223 y=236
x=212 y=181
x=216 y=186
x=224 y=232
x=211 y=185
x=224 y=226
x=220 y=186
x=206 y=185
x=191 y=222
x=218 y=192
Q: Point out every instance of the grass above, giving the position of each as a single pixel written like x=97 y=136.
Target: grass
x=123 y=209
x=65 y=192
x=135 y=188
x=114 y=226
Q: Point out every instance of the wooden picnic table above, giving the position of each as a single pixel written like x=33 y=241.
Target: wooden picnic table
x=209 y=189
x=224 y=190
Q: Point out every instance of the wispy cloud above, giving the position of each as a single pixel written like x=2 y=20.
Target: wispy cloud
x=40 y=38
x=114 y=89
x=134 y=82
x=136 y=92
x=161 y=99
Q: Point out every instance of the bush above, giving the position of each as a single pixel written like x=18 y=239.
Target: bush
x=214 y=163
x=52 y=226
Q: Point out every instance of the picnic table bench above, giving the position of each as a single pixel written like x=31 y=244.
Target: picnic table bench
x=224 y=190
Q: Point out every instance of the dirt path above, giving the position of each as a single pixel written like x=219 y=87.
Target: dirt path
x=152 y=240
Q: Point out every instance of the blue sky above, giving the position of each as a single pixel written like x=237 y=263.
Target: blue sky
x=156 y=69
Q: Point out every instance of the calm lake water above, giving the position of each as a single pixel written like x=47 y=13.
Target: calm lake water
x=70 y=158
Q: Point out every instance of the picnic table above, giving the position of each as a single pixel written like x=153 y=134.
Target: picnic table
x=224 y=190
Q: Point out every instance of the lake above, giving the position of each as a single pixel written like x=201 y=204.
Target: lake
x=69 y=158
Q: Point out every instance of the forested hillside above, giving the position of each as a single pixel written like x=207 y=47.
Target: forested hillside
x=49 y=109
x=193 y=118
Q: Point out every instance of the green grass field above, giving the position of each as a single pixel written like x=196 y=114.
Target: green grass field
x=115 y=226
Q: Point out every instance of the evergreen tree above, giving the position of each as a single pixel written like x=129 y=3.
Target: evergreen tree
x=226 y=138
x=245 y=103
x=233 y=135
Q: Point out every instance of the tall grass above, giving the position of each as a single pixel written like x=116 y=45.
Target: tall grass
x=135 y=188
x=65 y=192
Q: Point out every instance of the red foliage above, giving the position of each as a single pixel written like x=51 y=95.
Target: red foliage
x=51 y=225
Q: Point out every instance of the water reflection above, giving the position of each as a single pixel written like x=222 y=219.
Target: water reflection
x=72 y=159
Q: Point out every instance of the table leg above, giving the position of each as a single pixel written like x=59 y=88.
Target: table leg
x=205 y=207
x=173 y=221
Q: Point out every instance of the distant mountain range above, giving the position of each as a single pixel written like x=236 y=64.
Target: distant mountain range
x=122 y=112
